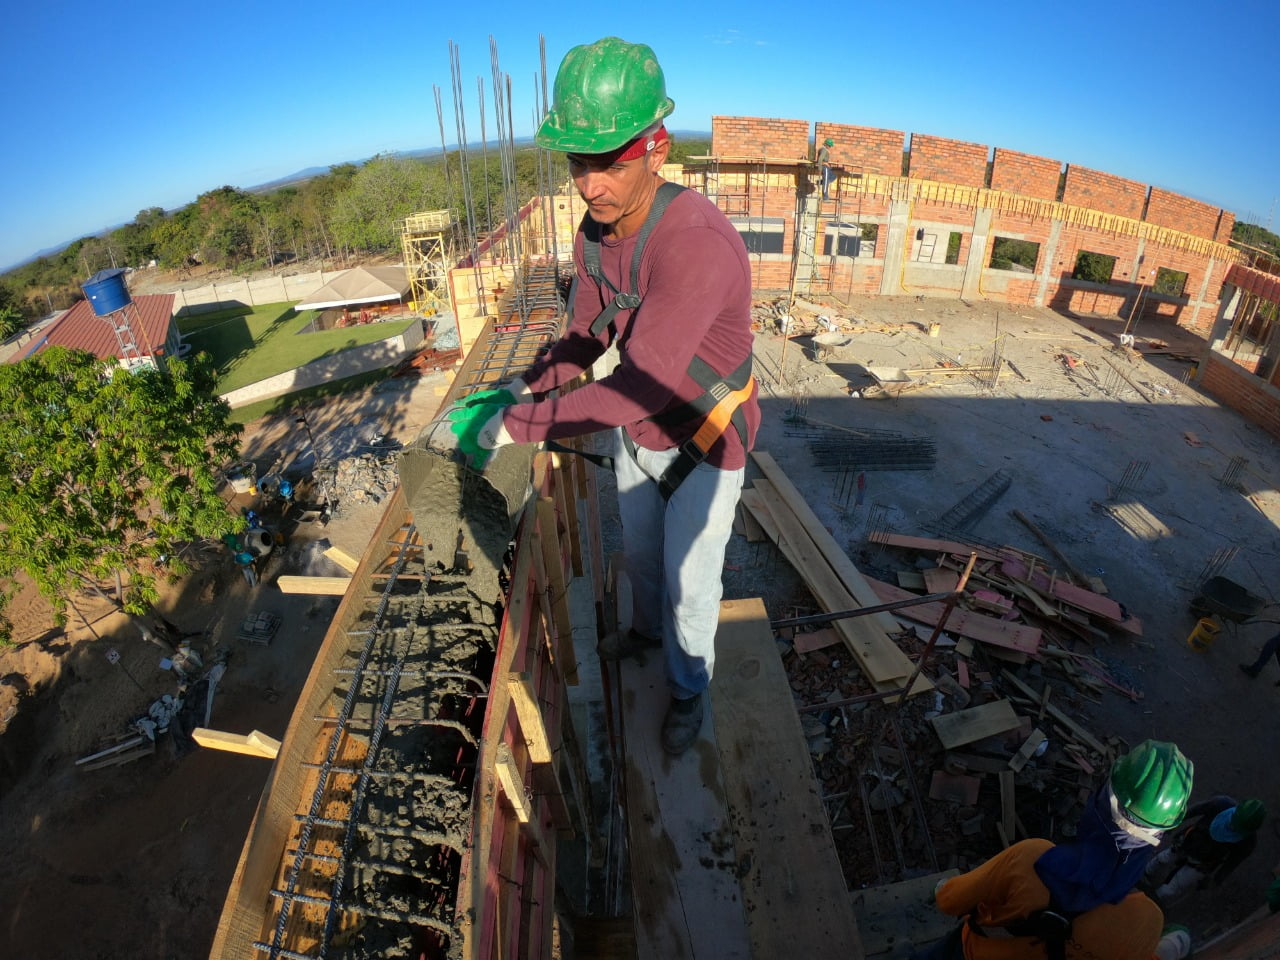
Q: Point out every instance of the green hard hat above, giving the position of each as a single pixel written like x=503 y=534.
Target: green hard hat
x=828 y=142
x=1248 y=816
x=607 y=93
x=1152 y=784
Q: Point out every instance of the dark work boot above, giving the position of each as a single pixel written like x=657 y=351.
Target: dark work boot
x=622 y=644
x=681 y=725
x=1250 y=670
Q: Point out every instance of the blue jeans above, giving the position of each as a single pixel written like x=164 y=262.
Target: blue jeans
x=1269 y=649
x=674 y=554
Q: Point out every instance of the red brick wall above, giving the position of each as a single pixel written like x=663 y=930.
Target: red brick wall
x=1246 y=394
x=759 y=137
x=1103 y=191
x=951 y=161
x=1023 y=173
x=865 y=149
x=1177 y=212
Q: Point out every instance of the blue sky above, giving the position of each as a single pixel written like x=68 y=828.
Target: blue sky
x=111 y=110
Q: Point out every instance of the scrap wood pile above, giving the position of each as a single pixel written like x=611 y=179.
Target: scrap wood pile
x=997 y=750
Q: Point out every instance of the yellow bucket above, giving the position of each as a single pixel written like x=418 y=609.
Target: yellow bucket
x=935 y=328
x=1202 y=637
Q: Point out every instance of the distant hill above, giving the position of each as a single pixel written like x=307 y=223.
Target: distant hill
x=300 y=177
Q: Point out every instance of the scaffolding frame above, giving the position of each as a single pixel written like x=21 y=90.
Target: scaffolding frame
x=426 y=240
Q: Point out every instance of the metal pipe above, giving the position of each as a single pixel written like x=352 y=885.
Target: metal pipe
x=948 y=606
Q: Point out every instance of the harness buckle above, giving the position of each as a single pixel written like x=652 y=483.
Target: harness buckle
x=693 y=451
x=626 y=301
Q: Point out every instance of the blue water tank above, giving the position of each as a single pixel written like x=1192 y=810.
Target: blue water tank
x=106 y=291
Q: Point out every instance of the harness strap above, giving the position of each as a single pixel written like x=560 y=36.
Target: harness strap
x=694 y=450
x=591 y=257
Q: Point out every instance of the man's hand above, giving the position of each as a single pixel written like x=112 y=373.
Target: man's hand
x=478 y=425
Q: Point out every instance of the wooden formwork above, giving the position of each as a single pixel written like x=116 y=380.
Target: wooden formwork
x=529 y=781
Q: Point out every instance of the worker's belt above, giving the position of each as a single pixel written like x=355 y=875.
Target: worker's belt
x=720 y=404
x=1050 y=927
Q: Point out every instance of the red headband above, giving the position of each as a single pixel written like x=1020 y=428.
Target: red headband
x=638 y=147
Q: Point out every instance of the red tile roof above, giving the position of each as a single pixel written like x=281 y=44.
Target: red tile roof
x=82 y=329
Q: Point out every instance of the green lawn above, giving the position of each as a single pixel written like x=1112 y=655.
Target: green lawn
x=249 y=344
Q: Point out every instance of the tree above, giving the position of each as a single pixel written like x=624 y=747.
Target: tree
x=11 y=319
x=104 y=472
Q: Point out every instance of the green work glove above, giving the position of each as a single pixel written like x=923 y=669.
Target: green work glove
x=479 y=429
x=499 y=395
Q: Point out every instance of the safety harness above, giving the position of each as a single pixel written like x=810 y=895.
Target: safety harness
x=721 y=399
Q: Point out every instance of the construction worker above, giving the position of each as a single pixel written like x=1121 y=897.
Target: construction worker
x=824 y=161
x=1269 y=649
x=1038 y=901
x=1217 y=837
x=664 y=276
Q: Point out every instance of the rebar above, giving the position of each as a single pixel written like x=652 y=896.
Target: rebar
x=1216 y=563
x=1231 y=477
x=972 y=507
x=1131 y=479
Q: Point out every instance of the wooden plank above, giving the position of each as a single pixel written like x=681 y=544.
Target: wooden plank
x=342 y=559
x=1019 y=759
x=754 y=503
x=815 y=640
x=751 y=528
x=849 y=575
x=687 y=904
x=896 y=915
x=879 y=657
x=254 y=744
x=320 y=586
x=1007 y=808
x=1075 y=573
x=793 y=888
x=558 y=591
x=976 y=723
x=940 y=580
x=927 y=545
x=1068 y=593
x=997 y=633
x=512 y=783
x=520 y=686
x=1083 y=735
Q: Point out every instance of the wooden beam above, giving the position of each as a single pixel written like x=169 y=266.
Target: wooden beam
x=976 y=723
x=342 y=559
x=525 y=701
x=826 y=544
x=1019 y=759
x=512 y=783
x=879 y=657
x=1007 y=808
x=254 y=744
x=1081 y=734
x=794 y=892
x=319 y=586
x=998 y=633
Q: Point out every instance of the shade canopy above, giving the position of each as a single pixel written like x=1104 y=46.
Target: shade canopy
x=359 y=285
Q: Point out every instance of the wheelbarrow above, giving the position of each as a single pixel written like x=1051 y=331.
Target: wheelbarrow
x=1228 y=601
x=825 y=345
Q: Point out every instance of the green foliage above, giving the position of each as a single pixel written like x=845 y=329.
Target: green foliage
x=1171 y=283
x=106 y=471
x=11 y=318
x=681 y=149
x=1256 y=236
x=953 y=247
x=1094 y=267
x=1010 y=254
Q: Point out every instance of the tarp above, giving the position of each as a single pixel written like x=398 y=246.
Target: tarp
x=359 y=285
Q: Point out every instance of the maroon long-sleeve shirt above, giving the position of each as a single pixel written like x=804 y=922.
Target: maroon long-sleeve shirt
x=695 y=281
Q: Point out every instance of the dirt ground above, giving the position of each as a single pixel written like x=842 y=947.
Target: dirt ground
x=134 y=860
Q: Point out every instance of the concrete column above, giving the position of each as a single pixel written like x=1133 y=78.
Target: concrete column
x=807 y=220
x=977 y=259
x=897 y=227
x=1050 y=255
x=1203 y=292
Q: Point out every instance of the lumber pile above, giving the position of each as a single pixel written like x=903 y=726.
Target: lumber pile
x=835 y=582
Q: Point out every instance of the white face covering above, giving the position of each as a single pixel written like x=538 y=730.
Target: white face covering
x=1148 y=835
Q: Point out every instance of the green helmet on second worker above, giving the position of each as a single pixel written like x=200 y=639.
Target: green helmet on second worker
x=1152 y=784
x=607 y=93
x=1248 y=816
